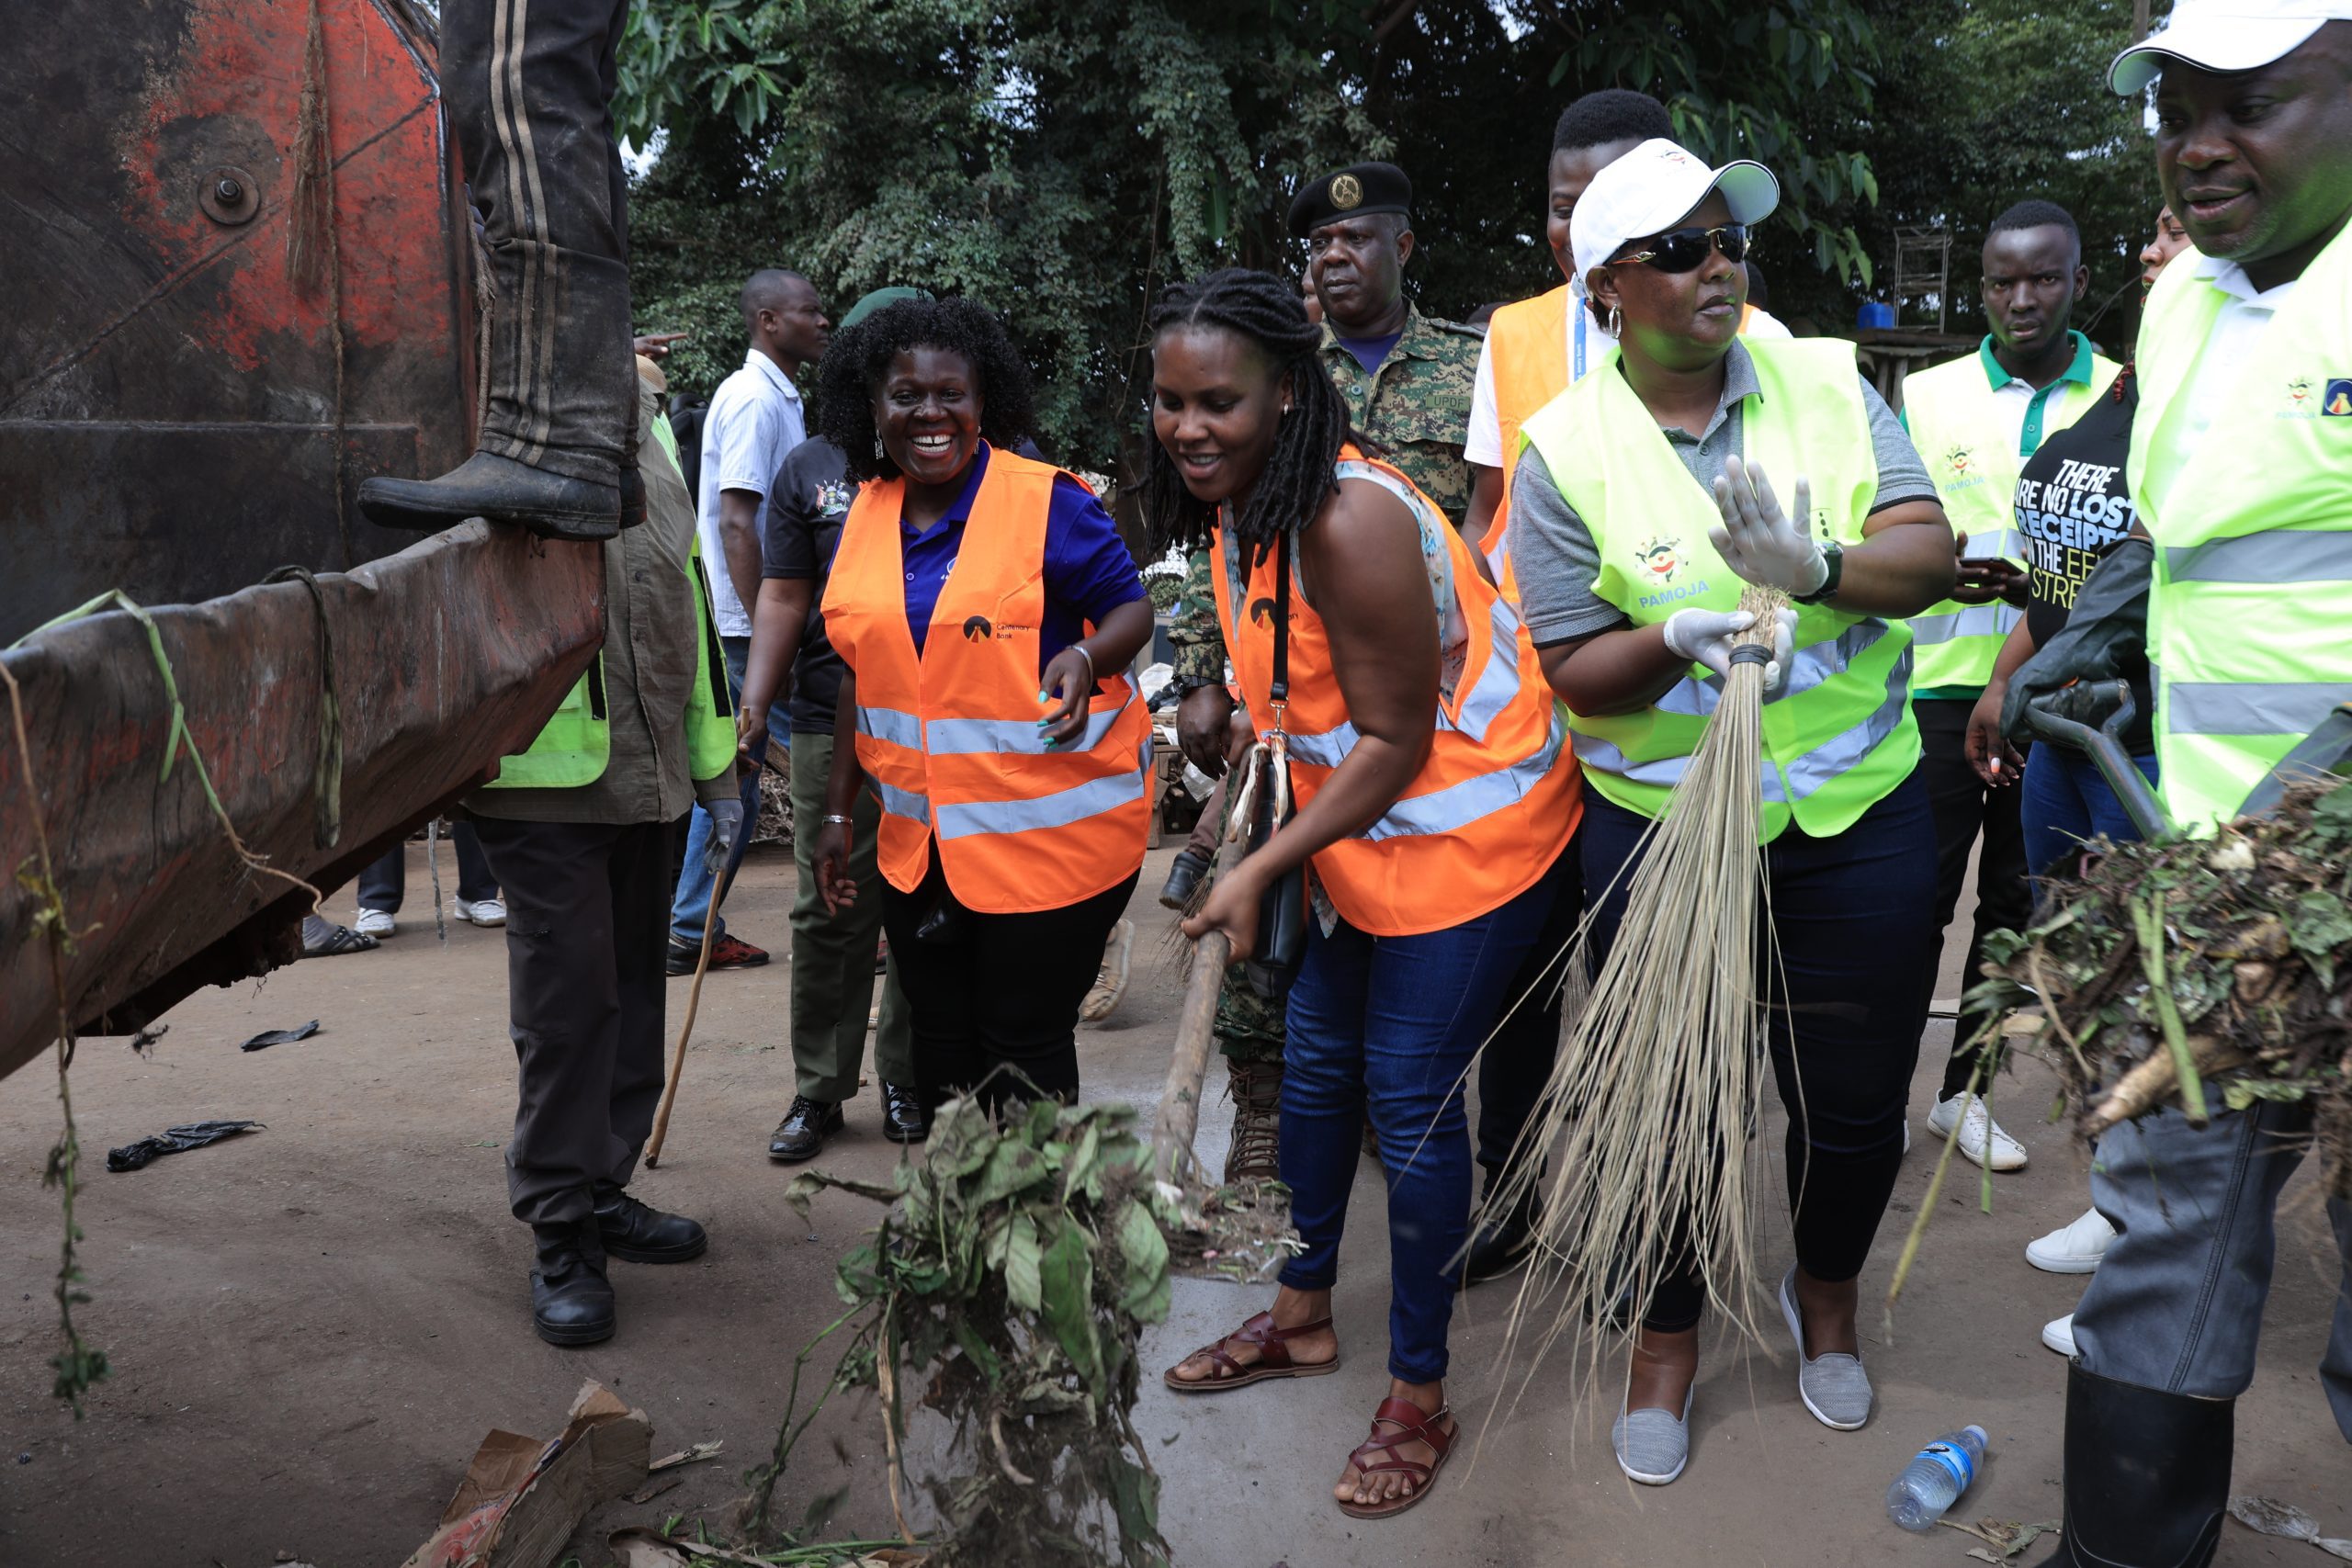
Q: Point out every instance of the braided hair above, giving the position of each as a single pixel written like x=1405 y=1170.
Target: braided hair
x=859 y=357
x=1266 y=309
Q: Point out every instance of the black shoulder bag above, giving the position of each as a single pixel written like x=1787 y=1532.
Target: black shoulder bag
x=1281 y=909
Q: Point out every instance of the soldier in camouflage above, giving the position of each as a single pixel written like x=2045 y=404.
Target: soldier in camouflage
x=1408 y=380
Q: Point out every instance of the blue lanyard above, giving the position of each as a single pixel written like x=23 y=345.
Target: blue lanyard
x=1583 y=319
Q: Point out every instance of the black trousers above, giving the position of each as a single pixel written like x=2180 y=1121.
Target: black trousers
x=985 y=992
x=528 y=85
x=1967 y=809
x=384 y=884
x=1851 y=916
x=1517 y=1062
x=587 y=930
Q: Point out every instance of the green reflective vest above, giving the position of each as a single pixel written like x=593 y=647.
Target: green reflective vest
x=1956 y=426
x=2250 y=618
x=576 y=743
x=1843 y=737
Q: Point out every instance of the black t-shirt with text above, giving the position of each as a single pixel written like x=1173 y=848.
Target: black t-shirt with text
x=807 y=506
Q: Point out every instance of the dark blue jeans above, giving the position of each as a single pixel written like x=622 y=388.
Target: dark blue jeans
x=1854 y=916
x=691 y=905
x=2067 y=802
x=1386 y=1027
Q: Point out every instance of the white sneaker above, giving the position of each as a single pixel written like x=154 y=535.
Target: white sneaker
x=2059 y=1335
x=375 y=922
x=486 y=912
x=1981 y=1138
x=2073 y=1248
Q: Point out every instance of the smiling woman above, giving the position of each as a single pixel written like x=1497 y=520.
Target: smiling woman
x=1010 y=757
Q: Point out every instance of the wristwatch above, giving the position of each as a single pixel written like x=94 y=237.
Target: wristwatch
x=1833 y=556
x=1187 y=684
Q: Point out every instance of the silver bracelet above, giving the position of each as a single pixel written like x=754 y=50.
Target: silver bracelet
x=1087 y=654
x=844 y=821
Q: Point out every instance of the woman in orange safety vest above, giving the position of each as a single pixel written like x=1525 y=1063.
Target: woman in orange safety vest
x=987 y=613
x=1435 y=802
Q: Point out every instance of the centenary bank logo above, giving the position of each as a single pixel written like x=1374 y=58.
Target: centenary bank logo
x=1261 y=611
x=978 y=629
x=2338 y=401
x=1662 y=558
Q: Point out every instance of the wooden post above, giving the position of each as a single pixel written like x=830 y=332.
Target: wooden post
x=1180 y=1099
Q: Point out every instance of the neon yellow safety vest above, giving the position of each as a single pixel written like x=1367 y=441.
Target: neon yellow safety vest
x=2250 y=620
x=1843 y=737
x=574 y=745
x=1956 y=424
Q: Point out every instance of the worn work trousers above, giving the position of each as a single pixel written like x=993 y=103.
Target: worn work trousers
x=1384 y=1027
x=384 y=884
x=989 y=991
x=1851 y=916
x=529 y=86
x=2177 y=1303
x=584 y=980
x=833 y=957
x=1967 y=809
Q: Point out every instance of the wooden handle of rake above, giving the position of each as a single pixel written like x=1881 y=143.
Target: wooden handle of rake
x=1180 y=1098
x=686 y=1029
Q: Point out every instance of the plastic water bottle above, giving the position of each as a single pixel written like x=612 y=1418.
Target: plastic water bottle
x=1934 y=1480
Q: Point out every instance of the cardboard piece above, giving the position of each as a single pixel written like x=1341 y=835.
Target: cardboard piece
x=522 y=1497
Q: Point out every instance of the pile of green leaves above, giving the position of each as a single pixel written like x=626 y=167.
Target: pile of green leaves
x=1009 y=1283
x=2213 y=969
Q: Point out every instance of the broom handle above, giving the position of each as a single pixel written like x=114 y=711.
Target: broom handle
x=1180 y=1099
x=686 y=1029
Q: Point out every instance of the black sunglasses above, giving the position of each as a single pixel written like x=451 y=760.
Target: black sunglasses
x=1685 y=250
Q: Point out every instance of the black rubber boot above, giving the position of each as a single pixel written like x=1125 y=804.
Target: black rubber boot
x=487 y=485
x=1183 y=876
x=1499 y=1240
x=639 y=1233
x=2147 y=1475
x=571 y=1301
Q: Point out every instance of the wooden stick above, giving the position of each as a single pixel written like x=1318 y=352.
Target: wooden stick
x=686 y=1029
x=1180 y=1099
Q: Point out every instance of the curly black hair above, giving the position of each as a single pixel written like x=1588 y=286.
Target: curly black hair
x=858 y=358
x=1267 y=309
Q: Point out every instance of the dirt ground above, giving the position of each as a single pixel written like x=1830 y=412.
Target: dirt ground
x=313 y=1326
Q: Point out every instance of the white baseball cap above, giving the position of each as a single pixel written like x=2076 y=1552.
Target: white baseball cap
x=2224 y=36
x=1652 y=188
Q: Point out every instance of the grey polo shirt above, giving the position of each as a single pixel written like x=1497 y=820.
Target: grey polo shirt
x=1554 y=552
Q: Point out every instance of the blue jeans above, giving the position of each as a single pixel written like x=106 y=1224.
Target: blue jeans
x=2066 y=802
x=1387 y=1026
x=691 y=905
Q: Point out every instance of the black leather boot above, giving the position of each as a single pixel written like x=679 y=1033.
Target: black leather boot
x=487 y=485
x=1499 y=1238
x=1183 y=876
x=639 y=1233
x=2147 y=1475
x=571 y=1301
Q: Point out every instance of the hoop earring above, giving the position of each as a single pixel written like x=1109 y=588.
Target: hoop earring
x=1616 y=320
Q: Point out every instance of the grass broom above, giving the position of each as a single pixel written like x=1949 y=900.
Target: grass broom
x=1647 y=1112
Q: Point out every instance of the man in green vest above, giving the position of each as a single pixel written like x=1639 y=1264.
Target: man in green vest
x=2242 y=479
x=577 y=829
x=1975 y=422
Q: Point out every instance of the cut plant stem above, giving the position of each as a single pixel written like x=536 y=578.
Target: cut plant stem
x=2148 y=922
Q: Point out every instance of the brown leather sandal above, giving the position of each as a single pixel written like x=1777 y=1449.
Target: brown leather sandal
x=1411 y=1427
x=1273 y=1358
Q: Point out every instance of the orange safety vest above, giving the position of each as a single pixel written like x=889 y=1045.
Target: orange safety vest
x=1498 y=798
x=950 y=737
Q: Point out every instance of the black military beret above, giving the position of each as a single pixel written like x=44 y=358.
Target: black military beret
x=1352 y=192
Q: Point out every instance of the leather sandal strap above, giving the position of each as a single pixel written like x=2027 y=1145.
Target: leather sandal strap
x=1412 y=1426
x=1271 y=1340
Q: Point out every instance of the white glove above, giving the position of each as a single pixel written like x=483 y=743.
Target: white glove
x=726 y=828
x=1704 y=636
x=1759 y=540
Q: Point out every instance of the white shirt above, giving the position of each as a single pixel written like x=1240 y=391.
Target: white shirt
x=1484 y=445
x=2243 y=317
x=755 y=422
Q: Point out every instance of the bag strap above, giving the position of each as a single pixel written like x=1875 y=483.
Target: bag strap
x=1279 y=693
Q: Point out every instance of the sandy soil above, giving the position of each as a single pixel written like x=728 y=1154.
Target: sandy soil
x=313 y=1326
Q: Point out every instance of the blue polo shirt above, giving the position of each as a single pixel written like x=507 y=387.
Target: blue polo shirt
x=1088 y=570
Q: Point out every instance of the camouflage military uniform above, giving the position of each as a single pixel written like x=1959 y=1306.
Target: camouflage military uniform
x=1416 y=410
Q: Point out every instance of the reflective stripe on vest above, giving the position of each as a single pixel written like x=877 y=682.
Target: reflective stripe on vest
x=949 y=739
x=1842 y=735
x=2252 y=521
x=1956 y=422
x=1493 y=804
